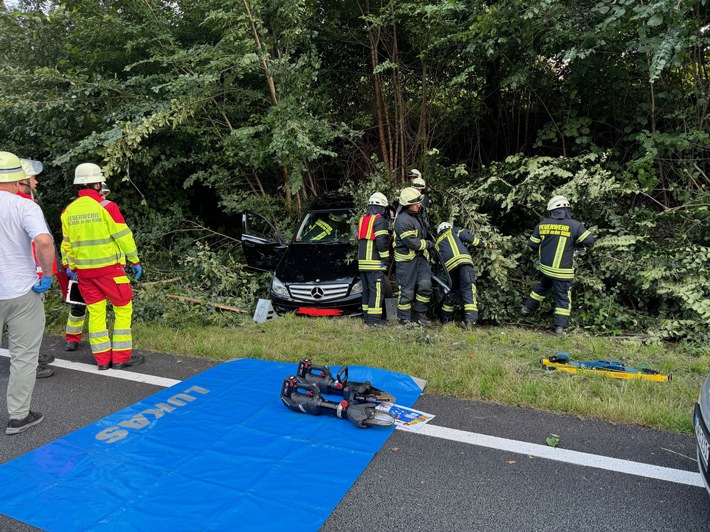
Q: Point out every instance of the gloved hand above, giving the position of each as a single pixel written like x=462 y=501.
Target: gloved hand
x=429 y=244
x=137 y=270
x=72 y=274
x=43 y=284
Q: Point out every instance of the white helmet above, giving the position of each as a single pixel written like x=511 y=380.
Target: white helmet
x=443 y=226
x=338 y=216
x=410 y=196
x=558 y=202
x=418 y=182
x=378 y=199
x=10 y=168
x=87 y=173
x=414 y=173
x=31 y=167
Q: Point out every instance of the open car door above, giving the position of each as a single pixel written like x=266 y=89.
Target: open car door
x=262 y=244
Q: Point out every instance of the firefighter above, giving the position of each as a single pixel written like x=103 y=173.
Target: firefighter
x=412 y=259
x=556 y=238
x=28 y=190
x=451 y=244
x=373 y=256
x=96 y=244
x=77 y=312
x=419 y=183
x=328 y=227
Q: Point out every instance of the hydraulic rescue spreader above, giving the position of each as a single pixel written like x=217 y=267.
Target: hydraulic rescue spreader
x=304 y=393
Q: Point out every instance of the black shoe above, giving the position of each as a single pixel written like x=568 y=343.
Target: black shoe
x=559 y=329
x=71 y=346
x=43 y=372
x=134 y=361
x=104 y=367
x=15 y=426
x=43 y=360
x=402 y=321
x=422 y=320
x=525 y=311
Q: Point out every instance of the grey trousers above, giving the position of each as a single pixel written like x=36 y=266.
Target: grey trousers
x=24 y=318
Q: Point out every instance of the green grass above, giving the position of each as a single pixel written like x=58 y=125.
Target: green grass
x=497 y=364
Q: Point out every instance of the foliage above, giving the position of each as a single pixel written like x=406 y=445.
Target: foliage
x=200 y=110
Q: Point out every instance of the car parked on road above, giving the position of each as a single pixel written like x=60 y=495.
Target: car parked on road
x=701 y=421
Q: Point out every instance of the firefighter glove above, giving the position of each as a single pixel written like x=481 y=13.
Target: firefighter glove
x=71 y=274
x=137 y=270
x=429 y=244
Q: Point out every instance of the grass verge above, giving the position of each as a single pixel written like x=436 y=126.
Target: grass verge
x=496 y=364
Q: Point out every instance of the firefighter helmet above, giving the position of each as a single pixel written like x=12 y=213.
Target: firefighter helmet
x=443 y=226
x=87 y=173
x=419 y=183
x=558 y=202
x=337 y=216
x=410 y=196
x=414 y=173
x=31 y=167
x=378 y=199
x=10 y=168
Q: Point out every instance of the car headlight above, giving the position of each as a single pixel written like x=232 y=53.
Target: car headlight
x=357 y=288
x=278 y=288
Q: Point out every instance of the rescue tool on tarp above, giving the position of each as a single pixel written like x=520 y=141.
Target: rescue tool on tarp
x=352 y=391
x=561 y=361
x=304 y=391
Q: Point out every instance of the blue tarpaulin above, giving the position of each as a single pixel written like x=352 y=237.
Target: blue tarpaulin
x=216 y=452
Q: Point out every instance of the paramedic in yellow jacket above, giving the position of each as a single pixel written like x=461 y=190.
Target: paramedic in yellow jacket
x=96 y=244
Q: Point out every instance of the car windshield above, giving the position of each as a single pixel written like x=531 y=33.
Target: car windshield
x=327 y=227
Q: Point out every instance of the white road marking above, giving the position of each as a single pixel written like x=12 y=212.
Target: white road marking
x=115 y=373
x=482 y=440
x=564 y=455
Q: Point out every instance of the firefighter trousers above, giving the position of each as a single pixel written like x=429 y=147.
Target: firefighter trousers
x=562 y=289
x=372 y=295
x=75 y=323
x=116 y=289
x=414 y=280
x=463 y=283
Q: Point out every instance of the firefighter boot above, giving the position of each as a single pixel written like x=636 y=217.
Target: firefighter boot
x=421 y=319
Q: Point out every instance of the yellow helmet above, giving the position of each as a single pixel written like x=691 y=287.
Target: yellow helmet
x=410 y=196
x=10 y=168
x=87 y=173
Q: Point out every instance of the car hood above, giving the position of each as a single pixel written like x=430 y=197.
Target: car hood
x=306 y=263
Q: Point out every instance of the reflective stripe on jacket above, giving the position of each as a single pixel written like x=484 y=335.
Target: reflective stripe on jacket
x=409 y=236
x=555 y=239
x=373 y=243
x=451 y=245
x=95 y=235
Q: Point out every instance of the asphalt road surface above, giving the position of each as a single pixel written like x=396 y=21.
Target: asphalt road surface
x=476 y=466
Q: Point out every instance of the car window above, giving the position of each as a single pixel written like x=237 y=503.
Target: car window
x=259 y=227
x=332 y=226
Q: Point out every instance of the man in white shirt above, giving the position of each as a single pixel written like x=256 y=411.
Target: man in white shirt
x=21 y=299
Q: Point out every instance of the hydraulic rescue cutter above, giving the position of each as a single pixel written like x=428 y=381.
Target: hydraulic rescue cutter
x=561 y=361
x=301 y=396
x=351 y=391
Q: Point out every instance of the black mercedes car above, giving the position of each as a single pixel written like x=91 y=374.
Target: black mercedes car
x=316 y=273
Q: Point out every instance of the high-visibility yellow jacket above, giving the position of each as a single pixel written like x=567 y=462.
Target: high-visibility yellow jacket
x=95 y=236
